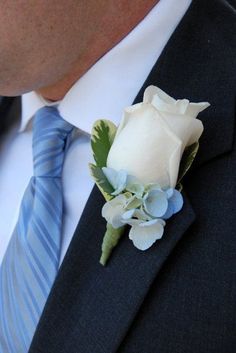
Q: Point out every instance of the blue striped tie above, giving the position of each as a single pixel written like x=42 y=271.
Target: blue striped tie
x=31 y=261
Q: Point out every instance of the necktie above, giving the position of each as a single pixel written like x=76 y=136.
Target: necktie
x=31 y=261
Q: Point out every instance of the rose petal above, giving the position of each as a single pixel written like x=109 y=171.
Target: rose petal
x=195 y=108
x=173 y=165
x=151 y=91
x=153 y=135
x=143 y=148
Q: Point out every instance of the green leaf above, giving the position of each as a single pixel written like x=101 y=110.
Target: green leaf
x=187 y=160
x=110 y=240
x=103 y=134
x=101 y=181
x=134 y=203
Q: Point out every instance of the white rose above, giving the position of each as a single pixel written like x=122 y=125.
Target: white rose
x=153 y=135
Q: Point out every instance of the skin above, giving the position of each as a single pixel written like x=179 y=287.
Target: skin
x=48 y=45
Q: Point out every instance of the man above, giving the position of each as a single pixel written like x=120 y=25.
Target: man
x=178 y=296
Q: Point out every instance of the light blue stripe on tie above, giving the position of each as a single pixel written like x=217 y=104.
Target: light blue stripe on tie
x=31 y=261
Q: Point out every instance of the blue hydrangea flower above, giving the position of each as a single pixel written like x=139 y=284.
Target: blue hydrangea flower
x=118 y=180
x=175 y=203
x=144 y=208
x=134 y=186
x=155 y=203
x=135 y=213
x=113 y=210
x=144 y=233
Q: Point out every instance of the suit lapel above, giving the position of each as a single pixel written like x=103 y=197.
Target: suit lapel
x=90 y=308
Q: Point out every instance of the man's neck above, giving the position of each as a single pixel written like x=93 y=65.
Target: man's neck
x=117 y=23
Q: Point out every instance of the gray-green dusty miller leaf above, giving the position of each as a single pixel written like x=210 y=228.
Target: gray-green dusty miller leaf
x=101 y=181
x=103 y=134
x=187 y=160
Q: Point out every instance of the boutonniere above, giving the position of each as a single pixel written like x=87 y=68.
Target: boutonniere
x=139 y=166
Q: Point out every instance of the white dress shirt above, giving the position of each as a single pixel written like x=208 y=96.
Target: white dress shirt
x=102 y=92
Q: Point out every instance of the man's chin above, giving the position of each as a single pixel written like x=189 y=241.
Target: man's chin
x=17 y=86
x=11 y=91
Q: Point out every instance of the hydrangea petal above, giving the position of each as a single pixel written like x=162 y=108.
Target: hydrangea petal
x=169 y=193
x=120 y=182
x=170 y=211
x=156 y=203
x=135 y=186
x=134 y=216
x=128 y=215
x=110 y=174
x=177 y=201
x=144 y=234
x=116 y=179
x=113 y=210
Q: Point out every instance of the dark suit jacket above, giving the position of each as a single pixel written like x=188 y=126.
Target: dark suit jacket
x=180 y=295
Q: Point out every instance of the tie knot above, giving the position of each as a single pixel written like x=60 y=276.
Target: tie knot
x=50 y=135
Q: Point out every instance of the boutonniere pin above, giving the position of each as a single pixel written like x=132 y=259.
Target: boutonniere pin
x=139 y=166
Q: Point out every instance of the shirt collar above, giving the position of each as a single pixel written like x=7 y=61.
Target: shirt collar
x=31 y=102
x=113 y=82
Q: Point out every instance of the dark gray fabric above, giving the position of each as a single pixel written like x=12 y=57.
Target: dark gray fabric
x=10 y=109
x=179 y=296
